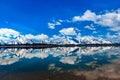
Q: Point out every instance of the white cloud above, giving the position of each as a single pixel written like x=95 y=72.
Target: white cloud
x=76 y=18
x=114 y=38
x=37 y=37
x=8 y=33
x=111 y=36
x=91 y=27
x=51 y=25
x=54 y=24
x=115 y=28
x=10 y=36
x=108 y=19
x=68 y=31
x=60 y=20
x=94 y=32
x=87 y=16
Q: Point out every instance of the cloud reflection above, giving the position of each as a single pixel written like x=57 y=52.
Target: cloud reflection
x=69 y=55
x=75 y=63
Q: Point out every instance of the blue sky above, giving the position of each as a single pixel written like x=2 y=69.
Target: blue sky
x=56 y=16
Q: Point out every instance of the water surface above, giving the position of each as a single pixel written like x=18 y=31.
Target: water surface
x=71 y=63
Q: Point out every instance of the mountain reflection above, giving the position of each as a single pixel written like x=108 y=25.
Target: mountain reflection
x=84 y=63
x=67 y=55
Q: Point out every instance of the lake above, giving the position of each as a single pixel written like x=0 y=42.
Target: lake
x=61 y=63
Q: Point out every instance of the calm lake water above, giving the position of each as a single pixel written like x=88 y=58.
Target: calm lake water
x=71 y=63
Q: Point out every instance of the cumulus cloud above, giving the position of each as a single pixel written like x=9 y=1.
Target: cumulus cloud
x=108 y=19
x=87 y=16
x=38 y=37
x=54 y=24
x=114 y=38
x=68 y=31
x=76 y=18
x=111 y=19
x=10 y=36
x=91 y=27
x=8 y=33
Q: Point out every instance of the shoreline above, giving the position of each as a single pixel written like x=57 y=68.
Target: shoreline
x=56 y=45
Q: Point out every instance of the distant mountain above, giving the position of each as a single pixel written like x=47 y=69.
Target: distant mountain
x=91 y=40
x=8 y=36
x=78 y=40
x=21 y=39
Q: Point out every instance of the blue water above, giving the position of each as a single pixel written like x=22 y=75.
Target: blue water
x=74 y=63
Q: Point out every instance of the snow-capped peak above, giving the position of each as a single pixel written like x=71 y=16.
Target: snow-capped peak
x=9 y=36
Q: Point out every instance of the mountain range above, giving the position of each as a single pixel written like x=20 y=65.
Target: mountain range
x=9 y=36
x=10 y=56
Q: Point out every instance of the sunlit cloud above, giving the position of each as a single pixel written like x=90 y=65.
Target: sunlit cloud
x=68 y=31
x=52 y=25
x=108 y=19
